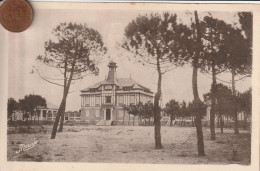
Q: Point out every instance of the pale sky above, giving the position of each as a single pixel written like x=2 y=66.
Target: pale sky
x=29 y=44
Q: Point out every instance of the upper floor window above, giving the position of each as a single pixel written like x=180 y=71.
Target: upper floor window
x=120 y=99
x=97 y=99
x=132 y=99
x=108 y=99
x=87 y=98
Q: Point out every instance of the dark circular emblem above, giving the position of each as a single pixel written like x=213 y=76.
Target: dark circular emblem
x=16 y=15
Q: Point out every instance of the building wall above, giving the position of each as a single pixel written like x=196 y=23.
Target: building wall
x=117 y=98
x=94 y=104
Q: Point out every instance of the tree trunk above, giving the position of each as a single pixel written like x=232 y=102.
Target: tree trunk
x=63 y=102
x=198 y=124
x=149 y=121
x=129 y=119
x=235 y=105
x=140 y=121
x=134 y=121
x=200 y=141
x=157 y=113
x=228 y=121
x=213 y=102
x=38 y=116
x=55 y=125
x=171 y=121
x=124 y=118
x=31 y=120
x=221 y=123
x=245 y=121
x=62 y=117
x=66 y=84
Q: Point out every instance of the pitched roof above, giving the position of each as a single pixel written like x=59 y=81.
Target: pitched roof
x=120 y=82
x=51 y=105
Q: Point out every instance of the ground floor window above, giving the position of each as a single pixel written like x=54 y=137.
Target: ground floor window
x=87 y=113
x=97 y=113
x=121 y=113
x=44 y=113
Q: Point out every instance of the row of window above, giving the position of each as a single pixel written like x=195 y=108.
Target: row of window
x=110 y=87
x=108 y=99
x=47 y=113
x=76 y=114
x=97 y=113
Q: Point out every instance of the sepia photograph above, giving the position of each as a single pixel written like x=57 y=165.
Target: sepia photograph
x=151 y=86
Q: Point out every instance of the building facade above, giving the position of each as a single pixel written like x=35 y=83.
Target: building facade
x=104 y=101
x=47 y=113
x=72 y=116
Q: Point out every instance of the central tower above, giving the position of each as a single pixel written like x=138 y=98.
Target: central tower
x=112 y=76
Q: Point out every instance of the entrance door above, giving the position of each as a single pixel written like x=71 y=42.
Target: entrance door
x=108 y=114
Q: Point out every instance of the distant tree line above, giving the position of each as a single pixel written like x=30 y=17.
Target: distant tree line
x=226 y=101
x=27 y=107
x=143 y=111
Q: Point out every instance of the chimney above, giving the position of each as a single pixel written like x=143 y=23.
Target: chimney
x=112 y=72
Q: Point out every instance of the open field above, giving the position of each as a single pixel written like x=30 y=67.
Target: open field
x=130 y=144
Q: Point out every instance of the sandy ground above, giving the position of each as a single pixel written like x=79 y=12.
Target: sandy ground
x=130 y=144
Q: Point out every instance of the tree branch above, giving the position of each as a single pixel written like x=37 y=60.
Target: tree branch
x=47 y=79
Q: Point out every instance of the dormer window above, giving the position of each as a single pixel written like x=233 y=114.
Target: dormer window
x=127 y=88
x=108 y=87
x=93 y=90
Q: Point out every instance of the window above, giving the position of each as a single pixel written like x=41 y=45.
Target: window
x=97 y=113
x=120 y=99
x=87 y=100
x=108 y=87
x=44 y=113
x=38 y=113
x=54 y=113
x=93 y=90
x=120 y=113
x=87 y=113
x=97 y=99
x=108 y=99
x=127 y=88
x=49 y=114
x=132 y=99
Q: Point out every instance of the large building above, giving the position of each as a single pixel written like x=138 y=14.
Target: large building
x=103 y=102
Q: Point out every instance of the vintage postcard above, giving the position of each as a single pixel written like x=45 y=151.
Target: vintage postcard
x=131 y=86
